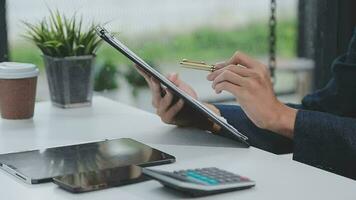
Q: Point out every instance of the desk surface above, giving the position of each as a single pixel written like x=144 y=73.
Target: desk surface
x=277 y=177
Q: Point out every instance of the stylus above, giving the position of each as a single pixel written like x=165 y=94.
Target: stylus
x=197 y=65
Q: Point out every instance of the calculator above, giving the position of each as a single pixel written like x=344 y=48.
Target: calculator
x=200 y=182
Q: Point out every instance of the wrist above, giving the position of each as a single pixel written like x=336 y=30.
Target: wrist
x=283 y=120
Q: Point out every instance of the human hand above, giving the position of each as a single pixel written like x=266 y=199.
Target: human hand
x=163 y=99
x=249 y=81
x=176 y=112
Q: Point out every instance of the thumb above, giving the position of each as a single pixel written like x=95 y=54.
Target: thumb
x=173 y=77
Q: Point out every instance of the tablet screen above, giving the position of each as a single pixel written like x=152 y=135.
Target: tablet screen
x=42 y=165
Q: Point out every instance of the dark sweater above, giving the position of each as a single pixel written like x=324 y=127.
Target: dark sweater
x=325 y=127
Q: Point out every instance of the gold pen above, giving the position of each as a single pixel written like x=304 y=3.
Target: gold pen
x=197 y=65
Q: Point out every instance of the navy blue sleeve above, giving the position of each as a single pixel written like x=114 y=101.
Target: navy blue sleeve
x=259 y=138
x=326 y=141
x=338 y=97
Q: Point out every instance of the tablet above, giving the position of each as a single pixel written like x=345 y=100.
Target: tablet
x=101 y=179
x=42 y=165
x=194 y=105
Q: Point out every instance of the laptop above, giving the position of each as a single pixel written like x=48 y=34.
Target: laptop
x=196 y=106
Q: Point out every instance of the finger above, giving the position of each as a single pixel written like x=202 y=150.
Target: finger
x=220 y=65
x=242 y=71
x=156 y=92
x=216 y=73
x=142 y=72
x=229 y=77
x=174 y=78
x=165 y=102
x=229 y=87
x=243 y=59
x=173 y=111
x=144 y=75
x=156 y=85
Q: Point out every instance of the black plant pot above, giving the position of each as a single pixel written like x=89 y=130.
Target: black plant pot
x=70 y=80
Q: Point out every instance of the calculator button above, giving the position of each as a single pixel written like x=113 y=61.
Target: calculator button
x=195 y=180
x=192 y=174
x=236 y=179
x=213 y=182
x=204 y=178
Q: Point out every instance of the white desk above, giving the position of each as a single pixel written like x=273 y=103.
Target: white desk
x=277 y=177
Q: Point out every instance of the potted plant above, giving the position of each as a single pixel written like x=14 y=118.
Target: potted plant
x=68 y=52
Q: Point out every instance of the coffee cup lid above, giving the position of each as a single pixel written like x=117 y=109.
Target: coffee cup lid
x=14 y=70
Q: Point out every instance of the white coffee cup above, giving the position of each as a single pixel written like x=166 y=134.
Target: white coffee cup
x=18 y=83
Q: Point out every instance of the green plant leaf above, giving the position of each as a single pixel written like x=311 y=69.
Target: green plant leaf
x=60 y=36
